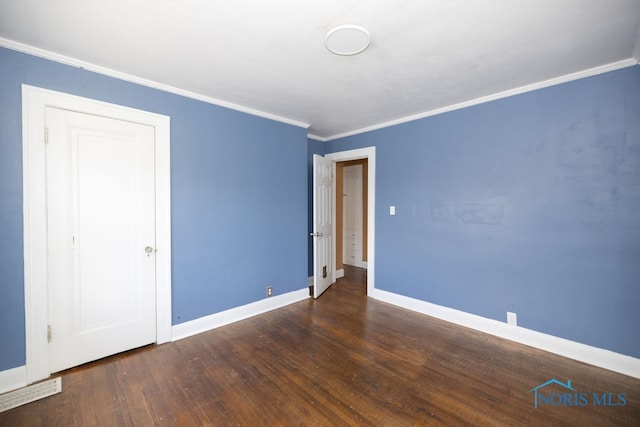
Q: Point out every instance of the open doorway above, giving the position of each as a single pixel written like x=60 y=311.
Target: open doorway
x=351 y=215
x=351 y=158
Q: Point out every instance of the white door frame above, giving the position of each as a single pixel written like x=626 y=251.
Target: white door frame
x=34 y=101
x=370 y=154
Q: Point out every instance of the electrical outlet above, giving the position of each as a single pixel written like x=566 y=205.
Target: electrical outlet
x=512 y=318
x=269 y=291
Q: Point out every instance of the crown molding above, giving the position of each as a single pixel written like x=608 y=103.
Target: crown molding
x=42 y=53
x=500 y=95
x=316 y=137
x=73 y=62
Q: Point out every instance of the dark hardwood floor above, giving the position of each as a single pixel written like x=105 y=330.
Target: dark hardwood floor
x=344 y=359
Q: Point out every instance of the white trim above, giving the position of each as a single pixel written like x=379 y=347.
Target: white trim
x=607 y=359
x=339 y=273
x=34 y=101
x=310 y=281
x=316 y=137
x=216 y=320
x=52 y=56
x=67 y=60
x=13 y=379
x=163 y=230
x=359 y=264
x=493 y=97
x=370 y=154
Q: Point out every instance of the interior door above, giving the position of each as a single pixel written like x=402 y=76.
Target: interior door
x=323 y=271
x=101 y=236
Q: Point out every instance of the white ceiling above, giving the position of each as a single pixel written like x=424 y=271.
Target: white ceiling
x=269 y=56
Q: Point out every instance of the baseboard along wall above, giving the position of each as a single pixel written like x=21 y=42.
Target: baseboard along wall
x=15 y=378
x=206 y=323
x=602 y=358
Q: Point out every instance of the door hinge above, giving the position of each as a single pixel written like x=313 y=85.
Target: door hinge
x=46 y=135
x=48 y=333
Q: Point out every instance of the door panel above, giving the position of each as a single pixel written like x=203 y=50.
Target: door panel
x=323 y=270
x=101 y=218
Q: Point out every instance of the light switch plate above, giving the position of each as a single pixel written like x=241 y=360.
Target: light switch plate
x=392 y=210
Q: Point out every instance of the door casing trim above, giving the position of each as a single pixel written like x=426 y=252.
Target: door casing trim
x=34 y=101
x=370 y=154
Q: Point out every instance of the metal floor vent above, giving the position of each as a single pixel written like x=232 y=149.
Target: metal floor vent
x=30 y=394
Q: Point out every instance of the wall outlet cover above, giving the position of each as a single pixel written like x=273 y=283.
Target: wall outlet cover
x=512 y=318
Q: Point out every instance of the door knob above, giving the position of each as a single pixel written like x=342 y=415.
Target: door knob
x=148 y=249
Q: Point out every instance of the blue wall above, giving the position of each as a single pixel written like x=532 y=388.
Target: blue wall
x=239 y=196
x=528 y=204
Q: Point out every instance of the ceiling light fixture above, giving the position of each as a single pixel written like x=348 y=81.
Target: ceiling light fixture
x=347 y=40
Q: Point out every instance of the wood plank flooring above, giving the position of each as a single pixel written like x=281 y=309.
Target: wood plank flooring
x=343 y=359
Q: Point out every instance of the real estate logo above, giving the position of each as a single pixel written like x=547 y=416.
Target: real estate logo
x=557 y=393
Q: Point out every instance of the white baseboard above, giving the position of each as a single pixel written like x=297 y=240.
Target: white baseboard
x=13 y=379
x=359 y=264
x=203 y=324
x=607 y=359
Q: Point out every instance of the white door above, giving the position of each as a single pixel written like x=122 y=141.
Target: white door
x=101 y=236
x=323 y=272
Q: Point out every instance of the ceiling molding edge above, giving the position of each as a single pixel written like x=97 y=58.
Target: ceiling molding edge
x=316 y=137
x=73 y=62
x=493 y=97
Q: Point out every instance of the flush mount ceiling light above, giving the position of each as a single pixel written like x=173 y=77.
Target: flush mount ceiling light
x=347 y=40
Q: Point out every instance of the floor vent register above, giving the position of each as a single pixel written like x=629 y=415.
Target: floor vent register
x=30 y=394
